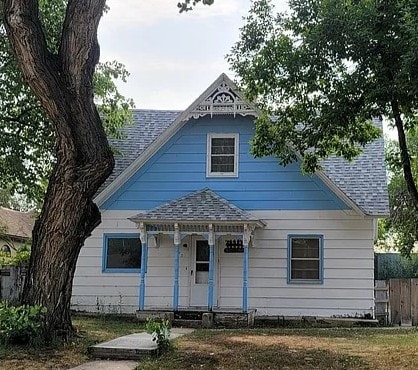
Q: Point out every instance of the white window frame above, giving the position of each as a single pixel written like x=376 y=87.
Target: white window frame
x=211 y=136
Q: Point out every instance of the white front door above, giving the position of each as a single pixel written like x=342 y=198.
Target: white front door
x=199 y=273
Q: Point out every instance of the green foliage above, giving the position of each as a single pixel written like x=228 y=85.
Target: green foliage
x=187 y=5
x=160 y=331
x=21 y=324
x=323 y=70
x=396 y=266
x=12 y=200
x=21 y=257
x=400 y=230
x=26 y=134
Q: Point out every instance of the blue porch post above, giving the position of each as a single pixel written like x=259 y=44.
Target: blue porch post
x=245 y=271
x=143 y=237
x=211 y=267
x=176 y=267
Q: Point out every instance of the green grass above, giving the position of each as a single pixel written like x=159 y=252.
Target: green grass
x=90 y=330
x=281 y=348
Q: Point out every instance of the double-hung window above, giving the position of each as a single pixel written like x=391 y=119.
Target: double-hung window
x=222 y=155
x=305 y=258
x=121 y=253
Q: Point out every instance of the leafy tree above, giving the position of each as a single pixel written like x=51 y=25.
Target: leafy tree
x=47 y=106
x=26 y=133
x=323 y=70
x=400 y=229
x=185 y=6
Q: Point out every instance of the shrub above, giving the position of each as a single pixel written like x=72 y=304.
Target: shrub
x=21 y=257
x=160 y=331
x=21 y=324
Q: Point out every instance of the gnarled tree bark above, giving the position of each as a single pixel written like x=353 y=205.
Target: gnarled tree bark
x=63 y=82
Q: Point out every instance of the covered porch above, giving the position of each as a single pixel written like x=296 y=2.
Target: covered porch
x=192 y=244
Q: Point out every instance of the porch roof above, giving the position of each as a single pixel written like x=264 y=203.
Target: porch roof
x=201 y=207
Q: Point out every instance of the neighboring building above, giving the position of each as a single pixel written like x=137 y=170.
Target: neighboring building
x=190 y=220
x=15 y=229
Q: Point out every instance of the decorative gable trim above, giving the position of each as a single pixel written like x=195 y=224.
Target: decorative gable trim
x=223 y=98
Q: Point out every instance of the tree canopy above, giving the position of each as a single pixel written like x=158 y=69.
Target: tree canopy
x=26 y=134
x=322 y=71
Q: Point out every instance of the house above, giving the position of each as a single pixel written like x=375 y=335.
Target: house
x=15 y=229
x=190 y=220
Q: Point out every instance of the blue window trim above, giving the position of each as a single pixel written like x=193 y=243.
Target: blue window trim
x=108 y=236
x=321 y=259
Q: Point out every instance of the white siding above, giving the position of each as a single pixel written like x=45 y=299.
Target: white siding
x=347 y=289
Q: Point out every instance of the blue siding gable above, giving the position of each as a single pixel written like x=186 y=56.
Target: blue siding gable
x=179 y=168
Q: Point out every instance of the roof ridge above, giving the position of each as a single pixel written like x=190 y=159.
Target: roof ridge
x=157 y=110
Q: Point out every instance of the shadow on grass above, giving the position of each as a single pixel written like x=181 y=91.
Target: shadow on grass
x=220 y=352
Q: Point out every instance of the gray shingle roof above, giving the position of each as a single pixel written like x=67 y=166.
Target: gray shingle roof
x=147 y=126
x=362 y=180
x=202 y=205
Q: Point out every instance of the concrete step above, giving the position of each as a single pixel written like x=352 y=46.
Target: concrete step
x=187 y=323
x=132 y=347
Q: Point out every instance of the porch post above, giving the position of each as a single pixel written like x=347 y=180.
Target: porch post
x=176 y=267
x=245 y=270
x=211 y=267
x=143 y=237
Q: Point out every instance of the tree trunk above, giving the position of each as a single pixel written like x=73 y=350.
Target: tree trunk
x=405 y=159
x=63 y=84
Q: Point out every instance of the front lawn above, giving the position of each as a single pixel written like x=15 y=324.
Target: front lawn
x=283 y=348
x=336 y=348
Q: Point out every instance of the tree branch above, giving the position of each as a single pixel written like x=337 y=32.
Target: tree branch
x=405 y=159
x=79 y=49
x=29 y=45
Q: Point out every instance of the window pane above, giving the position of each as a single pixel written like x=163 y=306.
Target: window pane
x=202 y=251
x=307 y=269
x=305 y=248
x=202 y=277
x=223 y=145
x=222 y=163
x=123 y=253
x=202 y=266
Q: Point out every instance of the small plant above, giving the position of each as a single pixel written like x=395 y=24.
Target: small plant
x=21 y=324
x=160 y=331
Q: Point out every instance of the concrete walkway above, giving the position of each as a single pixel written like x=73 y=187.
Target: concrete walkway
x=129 y=347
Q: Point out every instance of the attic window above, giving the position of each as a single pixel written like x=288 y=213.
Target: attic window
x=222 y=155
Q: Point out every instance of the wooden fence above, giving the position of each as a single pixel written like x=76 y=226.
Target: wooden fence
x=11 y=283
x=396 y=301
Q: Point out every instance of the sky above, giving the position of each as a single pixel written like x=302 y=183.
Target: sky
x=172 y=58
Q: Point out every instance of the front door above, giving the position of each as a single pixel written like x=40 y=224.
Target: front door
x=199 y=273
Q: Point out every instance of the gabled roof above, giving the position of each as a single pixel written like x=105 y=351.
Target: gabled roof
x=202 y=206
x=361 y=184
x=364 y=179
x=16 y=224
